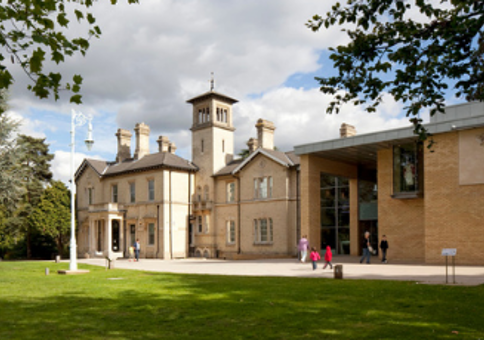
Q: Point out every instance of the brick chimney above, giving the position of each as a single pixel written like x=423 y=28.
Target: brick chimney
x=347 y=130
x=142 y=140
x=252 y=144
x=124 y=145
x=163 y=144
x=265 y=134
x=172 y=148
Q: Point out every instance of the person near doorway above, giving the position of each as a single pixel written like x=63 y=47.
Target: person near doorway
x=365 y=246
x=303 y=247
x=314 y=257
x=384 y=248
x=131 y=253
x=328 y=256
x=137 y=248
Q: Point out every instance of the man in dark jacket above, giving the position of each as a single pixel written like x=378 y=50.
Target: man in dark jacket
x=384 y=247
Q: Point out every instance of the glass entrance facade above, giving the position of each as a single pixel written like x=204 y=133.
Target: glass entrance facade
x=335 y=213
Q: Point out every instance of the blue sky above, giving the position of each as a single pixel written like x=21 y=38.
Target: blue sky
x=154 y=56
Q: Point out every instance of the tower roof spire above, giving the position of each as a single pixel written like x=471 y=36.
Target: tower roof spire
x=212 y=83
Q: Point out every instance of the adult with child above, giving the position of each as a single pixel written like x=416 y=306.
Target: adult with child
x=137 y=248
x=365 y=245
x=384 y=248
x=303 y=247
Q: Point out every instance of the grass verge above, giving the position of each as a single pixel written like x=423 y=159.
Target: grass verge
x=122 y=304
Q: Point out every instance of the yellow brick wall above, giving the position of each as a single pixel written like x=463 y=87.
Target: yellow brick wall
x=454 y=214
x=401 y=220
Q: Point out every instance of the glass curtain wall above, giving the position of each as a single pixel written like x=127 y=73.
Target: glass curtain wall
x=335 y=213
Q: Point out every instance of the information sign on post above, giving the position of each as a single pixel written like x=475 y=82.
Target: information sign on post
x=449 y=252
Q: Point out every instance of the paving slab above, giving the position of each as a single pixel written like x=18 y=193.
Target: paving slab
x=352 y=269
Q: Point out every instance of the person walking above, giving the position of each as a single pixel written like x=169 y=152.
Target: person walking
x=303 y=247
x=137 y=248
x=365 y=246
x=314 y=257
x=131 y=253
x=384 y=248
x=328 y=256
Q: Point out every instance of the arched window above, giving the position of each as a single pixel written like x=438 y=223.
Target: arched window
x=199 y=193
x=206 y=254
x=218 y=114
x=202 y=145
x=200 y=116
x=225 y=116
x=208 y=114
x=198 y=253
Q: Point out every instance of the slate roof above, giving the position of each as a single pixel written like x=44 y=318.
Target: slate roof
x=148 y=162
x=288 y=159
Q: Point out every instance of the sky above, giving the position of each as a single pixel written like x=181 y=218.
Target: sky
x=154 y=56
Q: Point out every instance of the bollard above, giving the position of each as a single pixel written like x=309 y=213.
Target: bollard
x=338 y=271
x=57 y=258
x=46 y=271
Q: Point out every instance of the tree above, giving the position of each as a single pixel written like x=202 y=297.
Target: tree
x=31 y=31
x=34 y=161
x=51 y=217
x=413 y=61
x=11 y=176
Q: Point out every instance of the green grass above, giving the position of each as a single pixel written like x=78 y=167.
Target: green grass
x=121 y=304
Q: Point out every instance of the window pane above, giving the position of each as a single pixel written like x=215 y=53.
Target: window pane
x=132 y=190
x=270 y=187
x=405 y=168
x=151 y=233
x=270 y=230
x=327 y=197
x=151 y=190
x=263 y=230
x=256 y=232
x=327 y=181
x=328 y=218
x=263 y=187
x=256 y=187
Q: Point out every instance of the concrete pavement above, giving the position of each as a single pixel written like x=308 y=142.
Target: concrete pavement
x=352 y=269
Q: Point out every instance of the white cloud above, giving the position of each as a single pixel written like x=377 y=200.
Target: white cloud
x=61 y=164
x=154 y=56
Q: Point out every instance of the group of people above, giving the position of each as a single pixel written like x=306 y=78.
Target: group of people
x=303 y=248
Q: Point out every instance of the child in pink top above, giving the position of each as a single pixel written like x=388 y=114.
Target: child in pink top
x=314 y=257
x=328 y=257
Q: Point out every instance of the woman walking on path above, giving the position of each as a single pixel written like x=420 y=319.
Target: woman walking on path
x=365 y=244
x=328 y=256
x=303 y=247
x=314 y=257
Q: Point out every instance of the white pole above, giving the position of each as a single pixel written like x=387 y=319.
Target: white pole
x=73 y=247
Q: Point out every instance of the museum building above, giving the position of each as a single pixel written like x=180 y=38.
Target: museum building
x=214 y=206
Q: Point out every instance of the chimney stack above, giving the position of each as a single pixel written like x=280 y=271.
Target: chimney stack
x=252 y=144
x=163 y=144
x=124 y=145
x=265 y=134
x=172 y=147
x=347 y=130
x=142 y=140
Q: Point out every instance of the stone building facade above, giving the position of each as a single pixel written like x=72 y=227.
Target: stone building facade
x=214 y=206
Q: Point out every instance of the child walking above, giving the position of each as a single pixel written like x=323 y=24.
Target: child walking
x=314 y=257
x=328 y=257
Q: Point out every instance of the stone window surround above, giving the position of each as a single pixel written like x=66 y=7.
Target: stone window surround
x=269 y=230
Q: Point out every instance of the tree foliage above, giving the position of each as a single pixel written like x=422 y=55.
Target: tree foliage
x=34 y=161
x=413 y=60
x=33 y=31
x=51 y=216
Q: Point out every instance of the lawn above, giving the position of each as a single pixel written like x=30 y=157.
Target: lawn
x=122 y=304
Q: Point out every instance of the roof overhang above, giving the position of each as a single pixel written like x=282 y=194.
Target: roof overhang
x=363 y=149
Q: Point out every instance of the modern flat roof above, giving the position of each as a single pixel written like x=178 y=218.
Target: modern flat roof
x=362 y=149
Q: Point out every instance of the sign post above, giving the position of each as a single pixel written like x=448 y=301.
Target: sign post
x=449 y=252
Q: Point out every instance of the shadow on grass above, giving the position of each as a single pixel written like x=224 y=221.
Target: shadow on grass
x=121 y=304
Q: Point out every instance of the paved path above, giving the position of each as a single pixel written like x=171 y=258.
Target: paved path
x=352 y=269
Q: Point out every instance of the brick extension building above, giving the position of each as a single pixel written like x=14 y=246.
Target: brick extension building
x=422 y=199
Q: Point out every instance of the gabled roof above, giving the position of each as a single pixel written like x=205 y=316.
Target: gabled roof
x=148 y=162
x=287 y=159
